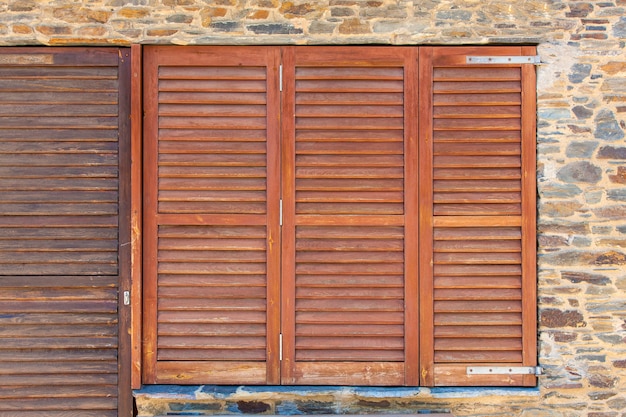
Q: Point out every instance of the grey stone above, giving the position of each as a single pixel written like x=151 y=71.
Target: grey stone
x=226 y=26
x=274 y=29
x=455 y=14
x=554 y=114
x=581 y=149
x=320 y=27
x=582 y=112
x=611 y=152
x=619 y=28
x=579 y=73
x=580 y=171
x=617 y=195
x=559 y=190
x=607 y=127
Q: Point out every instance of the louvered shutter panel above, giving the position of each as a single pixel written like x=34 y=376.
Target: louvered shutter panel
x=211 y=215
x=349 y=273
x=61 y=133
x=478 y=216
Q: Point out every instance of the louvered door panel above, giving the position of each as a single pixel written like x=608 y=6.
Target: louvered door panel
x=62 y=129
x=212 y=157
x=482 y=181
x=344 y=204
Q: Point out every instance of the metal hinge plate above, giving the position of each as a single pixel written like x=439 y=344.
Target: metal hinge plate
x=504 y=370
x=503 y=60
x=126 y=298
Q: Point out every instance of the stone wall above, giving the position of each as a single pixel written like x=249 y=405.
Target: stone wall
x=581 y=148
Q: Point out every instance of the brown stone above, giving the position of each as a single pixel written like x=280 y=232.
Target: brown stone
x=555 y=318
x=54 y=30
x=22 y=5
x=620 y=177
x=87 y=41
x=560 y=208
x=601 y=395
x=602 y=381
x=611 y=152
x=259 y=14
x=133 y=13
x=611 y=258
x=22 y=29
x=92 y=31
x=577 y=277
x=215 y=12
x=579 y=10
x=579 y=129
x=564 y=337
x=612 y=68
x=354 y=26
x=611 y=212
x=172 y=3
x=620 y=363
x=161 y=32
x=290 y=10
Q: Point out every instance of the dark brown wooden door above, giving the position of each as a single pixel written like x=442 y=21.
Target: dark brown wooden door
x=211 y=215
x=349 y=256
x=63 y=135
x=477 y=230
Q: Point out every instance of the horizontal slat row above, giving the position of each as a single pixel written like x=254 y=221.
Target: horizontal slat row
x=58 y=151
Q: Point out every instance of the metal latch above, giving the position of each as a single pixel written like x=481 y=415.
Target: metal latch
x=505 y=370
x=126 y=298
x=503 y=60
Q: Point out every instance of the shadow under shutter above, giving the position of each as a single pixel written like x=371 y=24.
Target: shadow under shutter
x=211 y=215
x=478 y=217
x=349 y=197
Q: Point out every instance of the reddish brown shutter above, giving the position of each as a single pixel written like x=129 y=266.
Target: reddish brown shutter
x=211 y=221
x=349 y=265
x=61 y=133
x=478 y=228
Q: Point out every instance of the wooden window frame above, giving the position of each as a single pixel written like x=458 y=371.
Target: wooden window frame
x=421 y=371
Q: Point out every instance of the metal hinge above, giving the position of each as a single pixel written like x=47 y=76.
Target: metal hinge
x=280 y=77
x=126 y=295
x=505 y=370
x=536 y=60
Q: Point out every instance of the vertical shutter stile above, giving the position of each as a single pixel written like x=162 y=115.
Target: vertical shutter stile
x=344 y=192
x=477 y=263
x=211 y=215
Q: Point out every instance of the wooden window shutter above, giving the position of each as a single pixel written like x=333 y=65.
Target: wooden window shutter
x=63 y=137
x=477 y=221
x=211 y=216
x=350 y=206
